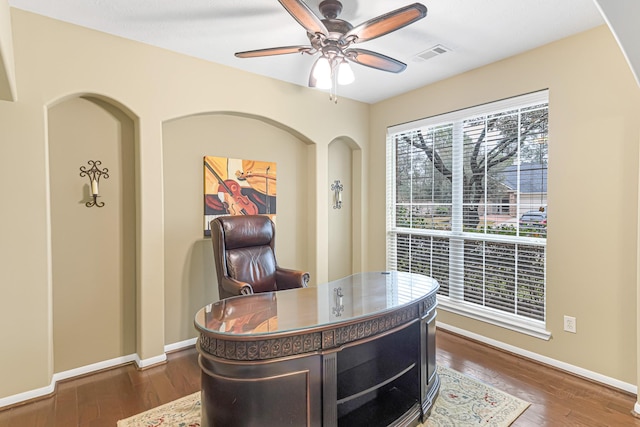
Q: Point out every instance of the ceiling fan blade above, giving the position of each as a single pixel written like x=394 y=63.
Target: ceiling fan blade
x=305 y=17
x=273 y=51
x=384 y=24
x=375 y=60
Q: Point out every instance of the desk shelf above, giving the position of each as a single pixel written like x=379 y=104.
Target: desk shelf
x=378 y=381
x=369 y=377
x=382 y=411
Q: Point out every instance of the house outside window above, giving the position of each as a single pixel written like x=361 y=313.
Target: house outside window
x=467 y=205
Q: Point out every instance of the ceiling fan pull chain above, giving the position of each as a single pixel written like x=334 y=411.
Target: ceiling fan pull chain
x=333 y=94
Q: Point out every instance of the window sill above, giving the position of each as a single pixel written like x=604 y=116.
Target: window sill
x=533 y=328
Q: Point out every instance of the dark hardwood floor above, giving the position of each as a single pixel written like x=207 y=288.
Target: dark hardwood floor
x=103 y=398
x=557 y=399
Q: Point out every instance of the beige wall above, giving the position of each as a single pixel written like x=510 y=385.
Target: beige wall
x=7 y=74
x=594 y=121
x=594 y=113
x=55 y=61
x=92 y=248
x=190 y=277
x=340 y=220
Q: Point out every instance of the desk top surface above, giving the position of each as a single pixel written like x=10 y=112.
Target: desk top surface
x=340 y=301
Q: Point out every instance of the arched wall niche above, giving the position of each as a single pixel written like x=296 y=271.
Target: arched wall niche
x=190 y=279
x=93 y=249
x=288 y=129
x=107 y=102
x=344 y=165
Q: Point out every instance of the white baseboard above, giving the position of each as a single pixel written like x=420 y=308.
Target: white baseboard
x=27 y=395
x=83 y=370
x=94 y=367
x=145 y=363
x=603 y=379
x=180 y=345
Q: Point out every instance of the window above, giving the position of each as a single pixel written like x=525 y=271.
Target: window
x=467 y=205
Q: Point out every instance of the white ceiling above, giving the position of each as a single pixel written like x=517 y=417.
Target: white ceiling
x=477 y=32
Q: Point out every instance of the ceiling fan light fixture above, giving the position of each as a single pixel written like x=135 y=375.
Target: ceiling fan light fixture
x=323 y=83
x=345 y=73
x=322 y=69
x=332 y=37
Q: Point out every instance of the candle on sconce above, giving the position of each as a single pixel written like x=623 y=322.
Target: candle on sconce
x=94 y=187
x=94 y=174
x=337 y=188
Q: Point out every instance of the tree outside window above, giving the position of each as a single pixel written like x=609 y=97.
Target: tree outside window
x=468 y=205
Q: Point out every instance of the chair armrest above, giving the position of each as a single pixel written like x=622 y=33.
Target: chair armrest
x=290 y=279
x=236 y=287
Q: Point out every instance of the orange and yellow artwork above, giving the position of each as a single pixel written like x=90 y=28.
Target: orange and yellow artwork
x=238 y=187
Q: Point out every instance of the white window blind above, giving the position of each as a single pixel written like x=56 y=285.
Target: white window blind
x=467 y=205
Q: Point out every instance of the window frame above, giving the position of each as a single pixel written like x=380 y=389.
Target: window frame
x=455 y=304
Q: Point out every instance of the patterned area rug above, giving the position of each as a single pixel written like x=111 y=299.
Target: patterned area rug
x=462 y=402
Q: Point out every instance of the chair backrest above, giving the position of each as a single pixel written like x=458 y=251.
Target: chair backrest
x=245 y=250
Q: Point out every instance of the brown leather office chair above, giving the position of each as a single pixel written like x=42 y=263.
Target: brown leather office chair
x=243 y=248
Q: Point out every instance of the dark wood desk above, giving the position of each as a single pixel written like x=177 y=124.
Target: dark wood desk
x=359 y=351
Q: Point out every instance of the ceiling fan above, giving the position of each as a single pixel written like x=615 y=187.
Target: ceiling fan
x=332 y=38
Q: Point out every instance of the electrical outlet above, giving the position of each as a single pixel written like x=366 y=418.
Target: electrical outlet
x=570 y=324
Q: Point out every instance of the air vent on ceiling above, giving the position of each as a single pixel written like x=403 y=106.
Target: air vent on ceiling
x=431 y=52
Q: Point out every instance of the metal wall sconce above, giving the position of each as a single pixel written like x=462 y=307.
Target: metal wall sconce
x=338 y=307
x=94 y=174
x=337 y=189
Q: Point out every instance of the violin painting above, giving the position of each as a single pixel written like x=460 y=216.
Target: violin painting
x=238 y=187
